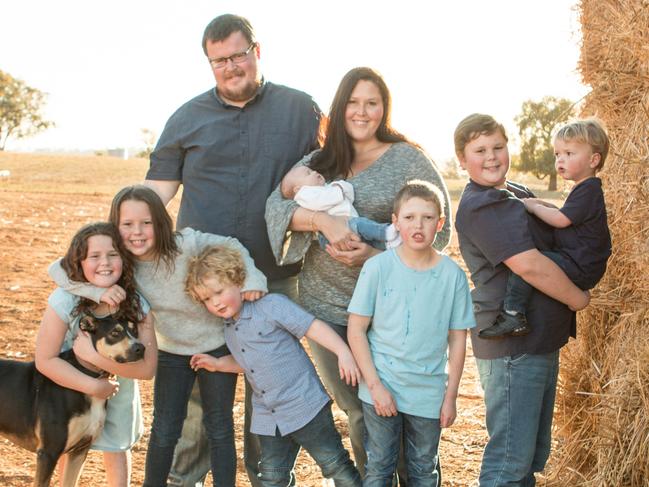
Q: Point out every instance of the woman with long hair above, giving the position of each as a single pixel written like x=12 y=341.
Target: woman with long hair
x=361 y=147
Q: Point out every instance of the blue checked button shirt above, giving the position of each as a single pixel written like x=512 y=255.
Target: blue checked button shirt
x=265 y=341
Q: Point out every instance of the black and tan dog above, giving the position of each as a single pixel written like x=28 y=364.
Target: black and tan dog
x=43 y=417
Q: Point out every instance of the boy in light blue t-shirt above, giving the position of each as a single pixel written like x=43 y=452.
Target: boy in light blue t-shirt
x=419 y=306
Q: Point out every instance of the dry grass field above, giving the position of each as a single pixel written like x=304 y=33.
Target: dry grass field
x=42 y=203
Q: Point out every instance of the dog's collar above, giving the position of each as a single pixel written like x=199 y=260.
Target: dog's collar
x=92 y=373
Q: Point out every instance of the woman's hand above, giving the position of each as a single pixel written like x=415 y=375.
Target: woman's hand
x=355 y=257
x=84 y=349
x=336 y=230
x=113 y=296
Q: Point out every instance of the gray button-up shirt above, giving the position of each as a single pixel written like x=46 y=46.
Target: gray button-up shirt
x=229 y=159
x=265 y=341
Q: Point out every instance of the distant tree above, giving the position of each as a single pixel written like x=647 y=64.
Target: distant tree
x=20 y=107
x=149 y=138
x=451 y=169
x=536 y=124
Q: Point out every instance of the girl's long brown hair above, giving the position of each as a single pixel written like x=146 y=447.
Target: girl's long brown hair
x=165 y=245
x=129 y=309
x=337 y=154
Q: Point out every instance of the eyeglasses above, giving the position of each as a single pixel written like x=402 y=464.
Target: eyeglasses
x=236 y=58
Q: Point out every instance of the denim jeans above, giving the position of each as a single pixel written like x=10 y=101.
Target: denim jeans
x=345 y=396
x=420 y=441
x=519 y=394
x=320 y=438
x=173 y=385
x=191 y=458
x=369 y=231
x=519 y=292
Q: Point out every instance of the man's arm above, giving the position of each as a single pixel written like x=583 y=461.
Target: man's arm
x=546 y=276
x=165 y=189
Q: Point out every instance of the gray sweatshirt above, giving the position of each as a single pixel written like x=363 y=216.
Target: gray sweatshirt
x=182 y=326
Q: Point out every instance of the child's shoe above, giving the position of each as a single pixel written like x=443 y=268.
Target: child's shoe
x=506 y=324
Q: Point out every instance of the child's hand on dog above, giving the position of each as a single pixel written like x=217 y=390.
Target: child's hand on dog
x=106 y=387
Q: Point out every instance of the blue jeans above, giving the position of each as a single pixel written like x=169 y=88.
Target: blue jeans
x=191 y=460
x=369 y=231
x=345 y=396
x=420 y=443
x=173 y=385
x=191 y=457
x=320 y=438
x=519 y=394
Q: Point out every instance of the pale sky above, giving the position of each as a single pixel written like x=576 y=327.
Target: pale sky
x=113 y=68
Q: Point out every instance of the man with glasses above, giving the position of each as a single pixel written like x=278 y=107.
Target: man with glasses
x=230 y=147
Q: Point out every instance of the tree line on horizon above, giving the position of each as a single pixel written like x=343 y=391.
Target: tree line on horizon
x=21 y=105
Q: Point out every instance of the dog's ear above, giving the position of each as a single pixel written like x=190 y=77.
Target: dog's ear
x=87 y=323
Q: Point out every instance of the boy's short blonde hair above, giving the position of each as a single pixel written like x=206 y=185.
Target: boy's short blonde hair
x=474 y=126
x=218 y=262
x=589 y=131
x=419 y=189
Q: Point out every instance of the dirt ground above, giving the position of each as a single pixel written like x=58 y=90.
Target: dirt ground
x=35 y=228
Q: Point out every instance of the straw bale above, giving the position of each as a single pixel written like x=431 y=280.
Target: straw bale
x=603 y=402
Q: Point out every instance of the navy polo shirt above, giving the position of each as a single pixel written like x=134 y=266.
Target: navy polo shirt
x=229 y=159
x=587 y=241
x=492 y=225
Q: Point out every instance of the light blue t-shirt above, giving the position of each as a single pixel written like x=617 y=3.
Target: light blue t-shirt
x=412 y=313
x=123 y=426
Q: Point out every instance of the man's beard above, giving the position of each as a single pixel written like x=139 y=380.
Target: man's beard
x=245 y=93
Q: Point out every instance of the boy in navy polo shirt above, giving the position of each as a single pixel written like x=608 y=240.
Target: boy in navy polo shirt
x=582 y=242
x=518 y=375
x=290 y=406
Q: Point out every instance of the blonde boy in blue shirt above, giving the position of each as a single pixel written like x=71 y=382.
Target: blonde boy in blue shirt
x=419 y=306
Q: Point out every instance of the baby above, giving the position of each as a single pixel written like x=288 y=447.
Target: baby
x=309 y=189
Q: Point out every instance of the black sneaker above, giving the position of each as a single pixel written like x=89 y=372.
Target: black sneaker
x=506 y=324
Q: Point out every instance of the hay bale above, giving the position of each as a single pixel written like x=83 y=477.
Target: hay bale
x=603 y=403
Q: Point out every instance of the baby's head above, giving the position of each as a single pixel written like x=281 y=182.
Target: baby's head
x=215 y=278
x=298 y=177
x=590 y=132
